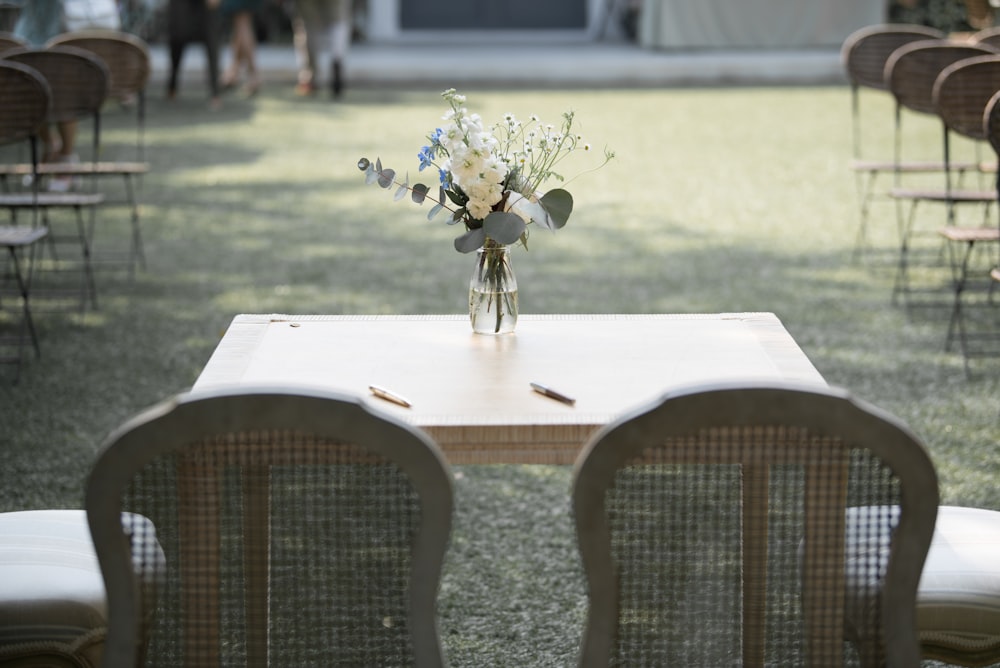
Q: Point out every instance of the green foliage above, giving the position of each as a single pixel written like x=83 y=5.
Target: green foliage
x=945 y=15
x=491 y=178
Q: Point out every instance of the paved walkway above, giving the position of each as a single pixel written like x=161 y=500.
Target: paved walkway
x=572 y=64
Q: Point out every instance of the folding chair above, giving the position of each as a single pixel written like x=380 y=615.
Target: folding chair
x=963 y=93
x=864 y=55
x=964 y=241
x=22 y=112
x=9 y=40
x=78 y=81
x=300 y=528
x=911 y=72
x=128 y=61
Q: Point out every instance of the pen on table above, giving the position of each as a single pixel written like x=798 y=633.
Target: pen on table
x=552 y=394
x=383 y=393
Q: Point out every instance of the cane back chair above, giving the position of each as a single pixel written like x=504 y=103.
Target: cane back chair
x=26 y=100
x=753 y=525
x=300 y=528
x=53 y=609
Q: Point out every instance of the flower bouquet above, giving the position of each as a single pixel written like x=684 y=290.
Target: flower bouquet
x=489 y=181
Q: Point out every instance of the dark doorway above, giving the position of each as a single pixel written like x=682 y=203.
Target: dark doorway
x=493 y=14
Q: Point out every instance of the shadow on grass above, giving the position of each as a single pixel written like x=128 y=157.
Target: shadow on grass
x=260 y=209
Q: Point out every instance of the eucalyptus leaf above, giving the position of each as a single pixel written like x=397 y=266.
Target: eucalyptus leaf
x=400 y=193
x=385 y=177
x=529 y=209
x=458 y=217
x=371 y=176
x=503 y=226
x=470 y=241
x=435 y=210
x=558 y=204
x=457 y=196
x=419 y=193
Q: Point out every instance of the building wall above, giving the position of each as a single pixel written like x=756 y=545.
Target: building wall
x=388 y=20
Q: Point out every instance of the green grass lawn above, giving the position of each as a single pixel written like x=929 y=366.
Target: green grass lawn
x=720 y=200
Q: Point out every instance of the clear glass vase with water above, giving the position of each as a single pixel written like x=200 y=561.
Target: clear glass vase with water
x=493 y=291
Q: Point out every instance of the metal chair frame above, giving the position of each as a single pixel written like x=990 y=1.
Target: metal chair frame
x=129 y=64
x=21 y=122
x=864 y=55
x=911 y=73
x=79 y=84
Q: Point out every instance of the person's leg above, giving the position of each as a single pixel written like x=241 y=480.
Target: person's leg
x=307 y=26
x=232 y=73
x=65 y=153
x=67 y=133
x=212 y=55
x=176 y=52
x=243 y=26
x=48 y=141
x=244 y=53
x=305 y=57
x=340 y=40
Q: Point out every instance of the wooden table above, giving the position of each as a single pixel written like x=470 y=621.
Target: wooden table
x=471 y=393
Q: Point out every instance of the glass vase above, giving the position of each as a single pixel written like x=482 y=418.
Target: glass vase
x=493 y=292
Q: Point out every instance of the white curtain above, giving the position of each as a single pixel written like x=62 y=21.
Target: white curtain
x=720 y=24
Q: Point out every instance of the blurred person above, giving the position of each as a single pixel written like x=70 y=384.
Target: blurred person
x=321 y=26
x=194 y=21
x=243 y=44
x=38 y=22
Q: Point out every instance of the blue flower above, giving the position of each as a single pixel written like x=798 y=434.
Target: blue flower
x=443 y=175
x=426 y=157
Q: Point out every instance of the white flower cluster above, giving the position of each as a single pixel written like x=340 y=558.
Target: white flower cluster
x=472 y=160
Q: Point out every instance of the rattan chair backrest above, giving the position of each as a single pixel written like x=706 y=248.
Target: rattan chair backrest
x=300 y=528
x=752 y=525
x=865 y=52
x=128 y=60
x=126 y=56
x=962 y=91
x=25 y=98
x=912 y=70
x=991 y=122
x=9 y=40
x=78 y=80
x=989 y=36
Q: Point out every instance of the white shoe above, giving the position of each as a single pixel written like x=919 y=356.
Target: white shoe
x=62 y=184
